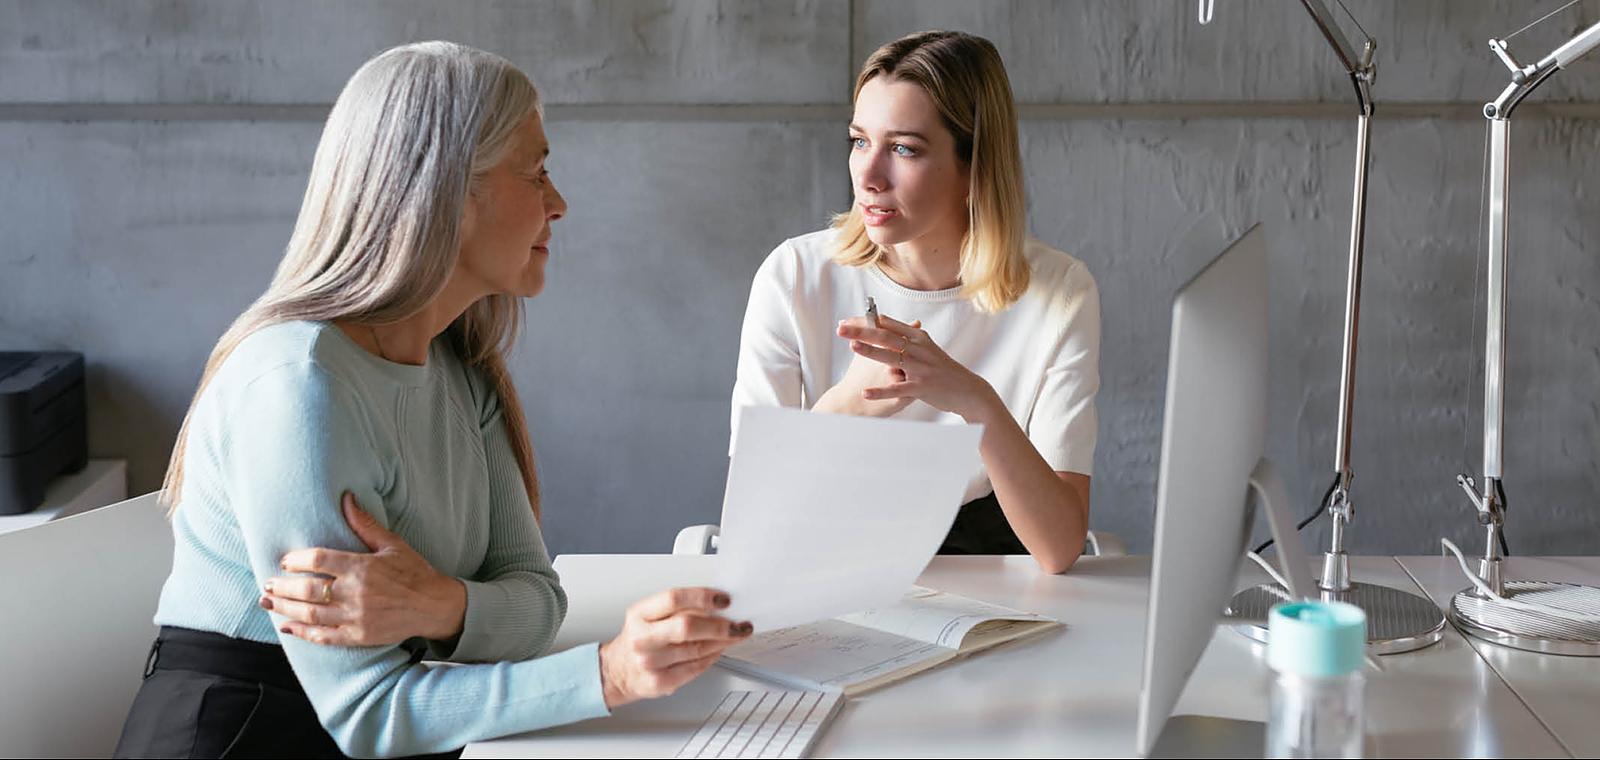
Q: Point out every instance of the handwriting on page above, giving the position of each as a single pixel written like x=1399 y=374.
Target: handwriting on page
x=832 y=652
x=934 y=617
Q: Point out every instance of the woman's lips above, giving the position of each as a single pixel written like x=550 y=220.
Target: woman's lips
x=875 y=215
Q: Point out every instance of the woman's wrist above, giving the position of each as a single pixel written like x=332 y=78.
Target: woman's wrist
x=610 y=690
x=984 y=406
x=831 y=403
x=449 y=597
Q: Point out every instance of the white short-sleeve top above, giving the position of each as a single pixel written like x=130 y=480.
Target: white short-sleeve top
x=1041 y=354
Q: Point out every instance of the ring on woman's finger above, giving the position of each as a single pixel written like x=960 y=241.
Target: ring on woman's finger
x=327 y=592
x=904 y=341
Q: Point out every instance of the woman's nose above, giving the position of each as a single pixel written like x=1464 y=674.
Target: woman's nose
x=874 y=177
x=556 y=205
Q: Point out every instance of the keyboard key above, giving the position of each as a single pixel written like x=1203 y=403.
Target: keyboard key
x=763 y=724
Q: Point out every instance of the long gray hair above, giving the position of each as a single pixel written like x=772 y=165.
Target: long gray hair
x=379 y=228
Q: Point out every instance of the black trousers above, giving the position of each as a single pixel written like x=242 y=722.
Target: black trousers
x=209 y=695
x=981 y=528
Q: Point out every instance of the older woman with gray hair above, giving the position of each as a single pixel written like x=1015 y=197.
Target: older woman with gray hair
x=353 y=489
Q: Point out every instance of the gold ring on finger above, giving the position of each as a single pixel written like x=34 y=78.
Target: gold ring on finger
x=327 y=592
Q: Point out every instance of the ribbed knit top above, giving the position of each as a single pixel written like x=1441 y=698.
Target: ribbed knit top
x=298 y=415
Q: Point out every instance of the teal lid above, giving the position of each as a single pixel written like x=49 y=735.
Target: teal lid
x=1316 y=638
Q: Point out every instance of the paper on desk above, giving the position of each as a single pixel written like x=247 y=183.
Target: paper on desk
x=827 y=514
x=936 y=617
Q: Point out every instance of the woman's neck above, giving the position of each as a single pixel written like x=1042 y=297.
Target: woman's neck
x=407 y=341
x=929 y=262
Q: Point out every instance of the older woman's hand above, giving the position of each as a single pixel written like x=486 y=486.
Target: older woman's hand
x=354 y=599
x=927 y=373
x=666 y=641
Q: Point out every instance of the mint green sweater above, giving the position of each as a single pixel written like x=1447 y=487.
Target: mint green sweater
x=299 y=414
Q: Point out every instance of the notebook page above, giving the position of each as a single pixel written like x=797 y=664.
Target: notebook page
x=935 y=617
x=828 y=653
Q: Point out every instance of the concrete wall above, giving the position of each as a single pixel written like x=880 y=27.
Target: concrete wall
x=155 y=153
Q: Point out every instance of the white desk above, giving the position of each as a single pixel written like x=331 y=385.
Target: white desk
x=1070 y=692
x=1563 y=691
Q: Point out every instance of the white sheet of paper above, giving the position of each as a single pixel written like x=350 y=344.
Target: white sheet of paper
x=827 y=514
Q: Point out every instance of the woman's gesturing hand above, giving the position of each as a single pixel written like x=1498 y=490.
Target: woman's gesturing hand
x=927 y=373
x=847 y=396
x=666 y=641
x=354 y=599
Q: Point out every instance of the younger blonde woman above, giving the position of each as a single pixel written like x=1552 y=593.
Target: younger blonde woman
x=979 y=322
x=363 y=403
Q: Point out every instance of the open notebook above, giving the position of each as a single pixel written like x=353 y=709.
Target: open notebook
x=864 y=650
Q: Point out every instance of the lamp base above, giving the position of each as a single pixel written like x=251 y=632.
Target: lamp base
x=1397 y=621
x=1507 y=626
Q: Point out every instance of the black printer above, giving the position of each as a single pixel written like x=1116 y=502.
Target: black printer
x=43 y=427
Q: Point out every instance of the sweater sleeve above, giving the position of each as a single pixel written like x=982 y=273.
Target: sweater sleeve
x=515 y=603
x=769 y=371
x=303 y=440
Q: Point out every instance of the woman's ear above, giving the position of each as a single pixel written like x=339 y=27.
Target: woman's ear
x=469 y=212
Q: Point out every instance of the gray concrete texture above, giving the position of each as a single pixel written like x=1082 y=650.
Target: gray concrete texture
x=692 y=137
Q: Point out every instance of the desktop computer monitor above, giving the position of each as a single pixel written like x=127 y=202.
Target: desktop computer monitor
x=1212 y=439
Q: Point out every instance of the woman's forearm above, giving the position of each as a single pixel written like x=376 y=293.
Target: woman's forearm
x=1049 y=515
x=833 y=401
x=447 y=609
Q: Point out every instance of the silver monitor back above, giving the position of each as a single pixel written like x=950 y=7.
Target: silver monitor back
x=1212 y=437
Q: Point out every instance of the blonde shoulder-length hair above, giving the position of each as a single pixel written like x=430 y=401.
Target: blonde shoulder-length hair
x=966 y=80
x=379 y=228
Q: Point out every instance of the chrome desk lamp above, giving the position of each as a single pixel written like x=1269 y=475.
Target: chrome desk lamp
x=1398 y=621
x=1540 y=616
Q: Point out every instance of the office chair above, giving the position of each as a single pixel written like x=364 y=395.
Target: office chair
x=702 y=539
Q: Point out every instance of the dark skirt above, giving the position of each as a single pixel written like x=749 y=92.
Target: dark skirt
x=209 y=695
x=981 y=528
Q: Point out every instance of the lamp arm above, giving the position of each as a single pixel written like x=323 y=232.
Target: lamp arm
x=1577 y=47
x=1359 y=64
x=1490 y=500
x=1525 y=79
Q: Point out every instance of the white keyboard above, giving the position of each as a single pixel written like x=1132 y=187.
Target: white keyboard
x=763 y=724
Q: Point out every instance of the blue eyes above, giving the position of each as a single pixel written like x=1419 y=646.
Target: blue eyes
x=900 y=149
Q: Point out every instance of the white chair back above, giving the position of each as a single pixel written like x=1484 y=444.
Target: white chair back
x=77 y=596
x=703 y=539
